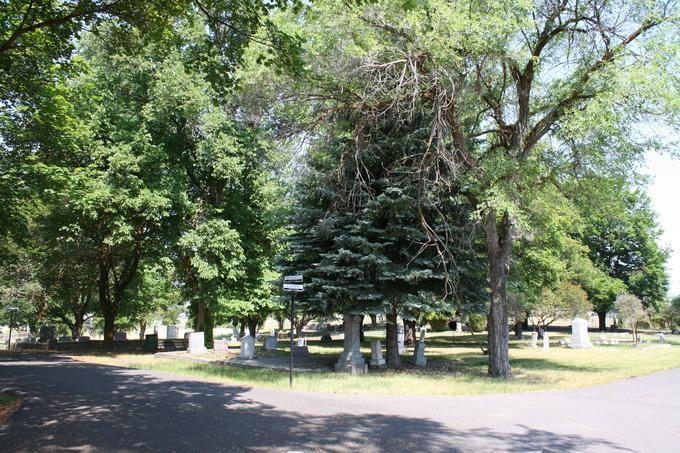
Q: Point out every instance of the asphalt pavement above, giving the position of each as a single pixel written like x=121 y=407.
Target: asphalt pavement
x=72 y=406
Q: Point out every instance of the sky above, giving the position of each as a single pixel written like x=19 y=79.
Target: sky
x=664 y=191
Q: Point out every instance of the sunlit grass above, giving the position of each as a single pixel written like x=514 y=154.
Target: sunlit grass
x=533 y=369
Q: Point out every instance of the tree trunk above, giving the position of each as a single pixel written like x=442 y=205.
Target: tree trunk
x=361 y=329
x=199 y=322
x=602 y=319
x=525 y=323
x=142 y=329
x=77 y=327
x=252 y=326
x=374 y=321
x=518 y=329
x=409 y=331
x=109 y=327
x=391 y=345
x=499 y=245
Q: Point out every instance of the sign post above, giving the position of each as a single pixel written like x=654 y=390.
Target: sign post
x=292 y=284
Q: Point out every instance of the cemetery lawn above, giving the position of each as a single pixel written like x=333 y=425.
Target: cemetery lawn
x=456 y=366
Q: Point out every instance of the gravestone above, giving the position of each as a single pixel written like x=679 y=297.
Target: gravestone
x=603 y=338
x=662 y=338
x=151 y=343
x=83 y=339
x=247 y=347
x=300 y=351
x=47 y=333
x=459 y=326
x=271 y=343
x=197 y=343
x=420 y=359
x=120 y=336
x=614 y=341
x=301 y=342
x=400 y=340
x=220 y=346
x=172 y=332
x=326 y=337
x=377 y=359
x=579 y=334
x=546 y=341
x=234 y=334
x=534 y=339
x=65 y=339
x=351 y=361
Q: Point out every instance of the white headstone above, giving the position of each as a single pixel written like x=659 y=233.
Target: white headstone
x=662 y=338
x=400 y=340
x=534 y=339
x=172 y=332
x=196 y=343
x=459 y=326
x=247 y=347
x=271 y=343
x=579 y=334
x=377 y=359
x=301 y=342
x=546 y=342
x=220 y=346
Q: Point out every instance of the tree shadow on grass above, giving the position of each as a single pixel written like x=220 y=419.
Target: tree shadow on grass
x=70 y=405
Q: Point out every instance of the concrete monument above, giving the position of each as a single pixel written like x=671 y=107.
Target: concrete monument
x=377 y=359
x=579 y=334
x=351 y=361
x=172 y=332
x=534 y=339
x=546 y=341
x=247 y=347
x=220 y=346
x=196 y=343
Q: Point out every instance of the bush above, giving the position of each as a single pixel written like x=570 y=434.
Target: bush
x=437 y=320
x=477 y=322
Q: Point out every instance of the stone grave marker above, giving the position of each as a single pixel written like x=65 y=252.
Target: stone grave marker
x=220 y=346
x=235 y=334
x=351 y=361
x=579 y=334
x=83 y=339
x=172 y=332
x=326 y=337
x=196 y=343
x=65 y=339
x=377 y=359
x=546 y=341
x=662 y=338
x=534 y=339
x=247 y=347
x=271 y=343
x=419 y=352
x=120 y=336
x=400 y=340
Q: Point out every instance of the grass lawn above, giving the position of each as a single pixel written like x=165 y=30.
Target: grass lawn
x=458 y=367
x=9 y=403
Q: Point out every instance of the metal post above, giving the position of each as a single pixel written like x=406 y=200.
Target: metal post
x=292 y=317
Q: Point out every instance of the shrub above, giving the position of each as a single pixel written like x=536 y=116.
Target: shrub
x=477 y=322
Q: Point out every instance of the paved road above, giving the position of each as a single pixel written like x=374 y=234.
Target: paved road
x=80 y=407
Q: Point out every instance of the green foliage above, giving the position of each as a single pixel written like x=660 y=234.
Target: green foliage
x=630 y=310
x=477 y=322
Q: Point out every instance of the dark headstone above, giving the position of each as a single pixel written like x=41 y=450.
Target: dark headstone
x=151 y=343
x=300 y=351
x=47 y=333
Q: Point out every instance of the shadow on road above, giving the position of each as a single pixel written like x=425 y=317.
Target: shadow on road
x=70 y=405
